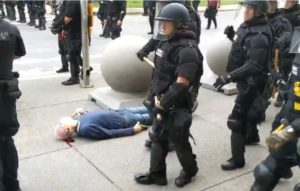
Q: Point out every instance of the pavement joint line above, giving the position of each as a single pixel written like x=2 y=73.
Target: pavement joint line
x=42 y=154
x=51 y=105
x=227 y=180
x=211 y=123
x=98 y=169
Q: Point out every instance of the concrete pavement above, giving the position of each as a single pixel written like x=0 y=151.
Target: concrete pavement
x=50 y=165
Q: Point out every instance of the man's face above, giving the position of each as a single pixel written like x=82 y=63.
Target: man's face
x=167 y=27
x=272 y=6
x=249 y=13
x=289 y=4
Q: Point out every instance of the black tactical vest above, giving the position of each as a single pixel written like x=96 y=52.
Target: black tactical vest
x=238 y=53
x=165 y=64
x=7 y=49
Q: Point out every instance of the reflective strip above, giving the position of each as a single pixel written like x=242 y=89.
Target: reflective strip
x=297 y=106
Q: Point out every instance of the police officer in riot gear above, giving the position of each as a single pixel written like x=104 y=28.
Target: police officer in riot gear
x=177 y=68
x=21 y=8
x=291 y=12
x=57 y=28
x=248 y=65
x=194 y=25
x=72 y=26
x=11 y=46
x=2 y=12
x=282 y=32
x=116 y=11
x=282 y=142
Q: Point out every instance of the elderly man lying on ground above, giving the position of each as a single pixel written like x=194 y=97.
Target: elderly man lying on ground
x=103 y=124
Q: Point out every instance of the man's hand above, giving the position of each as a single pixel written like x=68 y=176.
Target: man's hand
x=220 y=82
x=79 y=111
x=229 y=32
x=141 y=54
x=119 y=23
x=278 y=139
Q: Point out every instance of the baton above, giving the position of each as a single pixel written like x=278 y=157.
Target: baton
x=149 y=62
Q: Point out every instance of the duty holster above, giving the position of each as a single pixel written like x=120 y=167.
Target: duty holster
x=12 y=87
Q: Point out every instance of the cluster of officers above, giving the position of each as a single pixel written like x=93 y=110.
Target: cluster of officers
x=266 y=33
x=36 y=12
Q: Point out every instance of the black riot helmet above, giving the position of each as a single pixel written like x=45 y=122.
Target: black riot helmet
x=178 y=14
x=259 y=6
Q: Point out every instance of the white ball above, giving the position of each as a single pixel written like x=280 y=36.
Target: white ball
x=121 y=68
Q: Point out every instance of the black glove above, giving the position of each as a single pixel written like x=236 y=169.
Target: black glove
x=221 y=81
x=279 y=43
x=229 y=32
x=141 y=54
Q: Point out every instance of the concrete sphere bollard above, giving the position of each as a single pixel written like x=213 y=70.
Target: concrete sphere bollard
x=217 y=54
x=121 y=68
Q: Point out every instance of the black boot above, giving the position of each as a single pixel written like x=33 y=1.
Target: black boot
x=183 y=179
x=237 y=150
x=158 y=178
x=70 y=82
x=252 y=136
x=286 y=173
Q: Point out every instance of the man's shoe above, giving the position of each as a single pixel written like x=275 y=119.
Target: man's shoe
x=183 y=179
x=151 y=178
x=70 y=82
x=232 y=165
x=62 y=70
x=151 y=32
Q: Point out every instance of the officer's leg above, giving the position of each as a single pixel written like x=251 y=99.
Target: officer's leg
x=180 y=123
x=266 y=175
x=236 y=124
x=252 y=136
x=42 y=19
x=215 y=21
x=1 y=166
x=12 y=12
x=151 y=22
x=11 y=164
x=159 y=151
x=115 y=30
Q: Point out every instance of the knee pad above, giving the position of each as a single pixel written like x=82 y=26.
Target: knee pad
x=264 y=178
x=152 y=134
x=178 y=126
x=235 y=125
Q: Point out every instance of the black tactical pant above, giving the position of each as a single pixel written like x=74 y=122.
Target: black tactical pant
x=212 y=12
x=40 y=15
x=74 y=52
x=2 y=12
x=9 y=126
x=10 y=9
x=239 y=120
x=21 y=8
x=112 y=29
x=151 y=20
x=63 y=53
x=174 y=127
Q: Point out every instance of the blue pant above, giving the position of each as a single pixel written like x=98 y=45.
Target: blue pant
x=134 y=115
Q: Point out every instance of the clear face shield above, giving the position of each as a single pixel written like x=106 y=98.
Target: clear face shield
x=295 y=43
x=156 y=30
x=166 y=30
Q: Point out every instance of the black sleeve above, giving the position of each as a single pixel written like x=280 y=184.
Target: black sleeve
x=187 y=59
x=72 y=8
x=257 y=57
x=150 y=46
x=20 y=47
x=285 y=31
